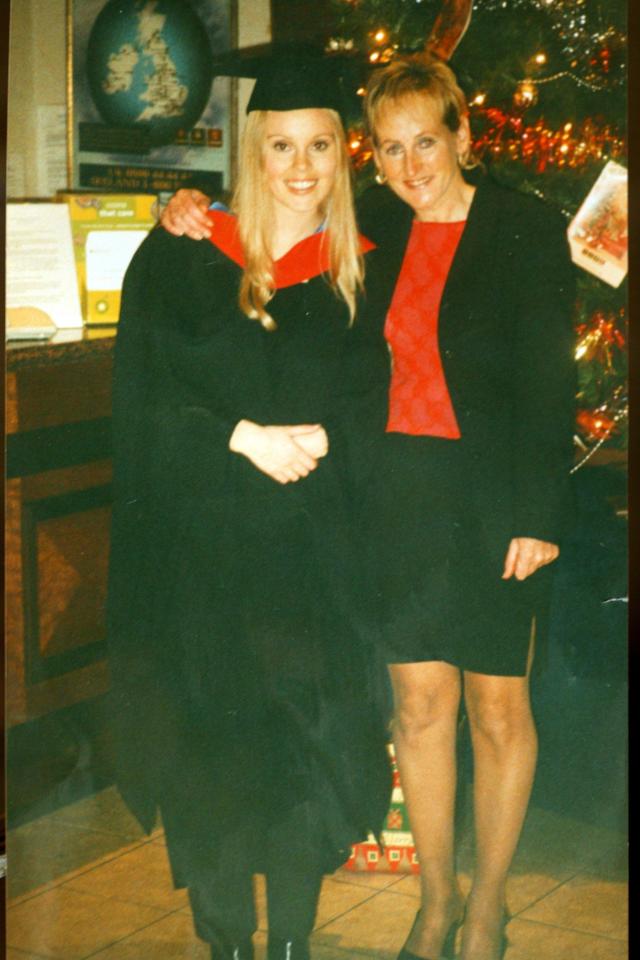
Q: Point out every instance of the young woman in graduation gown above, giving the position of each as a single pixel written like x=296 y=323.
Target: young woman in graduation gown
x=249 y=383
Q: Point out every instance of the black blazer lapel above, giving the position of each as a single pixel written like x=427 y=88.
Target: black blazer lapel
x=469 y=282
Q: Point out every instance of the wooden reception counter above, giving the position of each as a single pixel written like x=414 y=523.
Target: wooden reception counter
x=57 y=523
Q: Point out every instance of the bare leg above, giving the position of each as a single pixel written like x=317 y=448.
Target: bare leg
x=505 y=751
x=427 y=698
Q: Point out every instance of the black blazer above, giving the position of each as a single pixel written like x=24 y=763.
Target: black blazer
x=506 y=340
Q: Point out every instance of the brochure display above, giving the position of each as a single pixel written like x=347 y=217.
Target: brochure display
x=599 y=232
x=107 y=230
x=42 y=291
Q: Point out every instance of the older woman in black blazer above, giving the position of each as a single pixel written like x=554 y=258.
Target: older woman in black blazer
x=472 y=479
x=472 y=485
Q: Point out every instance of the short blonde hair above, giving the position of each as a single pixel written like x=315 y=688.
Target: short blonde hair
x=418 y=75
x=252 y=202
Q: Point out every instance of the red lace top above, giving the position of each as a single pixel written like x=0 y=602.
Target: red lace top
x=419 y=402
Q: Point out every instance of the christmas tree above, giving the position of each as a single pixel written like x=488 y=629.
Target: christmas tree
x=545 y=82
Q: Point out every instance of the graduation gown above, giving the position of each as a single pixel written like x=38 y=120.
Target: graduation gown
x=245 y=684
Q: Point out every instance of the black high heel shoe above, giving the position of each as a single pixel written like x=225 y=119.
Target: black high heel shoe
x=294 y=949
x=448 y=946
x=503 y=943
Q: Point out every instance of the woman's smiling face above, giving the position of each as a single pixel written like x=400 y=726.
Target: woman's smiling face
x=300 y=158
x=418 y=154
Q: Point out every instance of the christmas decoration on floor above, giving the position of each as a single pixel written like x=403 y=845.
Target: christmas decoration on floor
x=396 y=852
x=545 y=81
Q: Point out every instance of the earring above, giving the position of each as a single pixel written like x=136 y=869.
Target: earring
x=467 y=161
x=380 y=178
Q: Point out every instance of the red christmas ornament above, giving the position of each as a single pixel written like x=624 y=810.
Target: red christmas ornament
x=595 y=424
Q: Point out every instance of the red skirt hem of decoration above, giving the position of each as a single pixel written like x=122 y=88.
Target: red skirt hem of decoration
x=372 y=858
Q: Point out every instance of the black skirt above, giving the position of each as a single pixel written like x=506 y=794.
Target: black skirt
x=436 y=565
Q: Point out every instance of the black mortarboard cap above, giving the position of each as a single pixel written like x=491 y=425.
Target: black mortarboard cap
x=293 y=78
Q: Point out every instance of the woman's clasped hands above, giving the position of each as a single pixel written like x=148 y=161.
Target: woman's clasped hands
x=284 y=453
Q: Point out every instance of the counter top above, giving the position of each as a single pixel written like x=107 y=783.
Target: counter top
x=66 y=346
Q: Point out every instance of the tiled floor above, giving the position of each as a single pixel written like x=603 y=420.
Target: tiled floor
x=84 y=882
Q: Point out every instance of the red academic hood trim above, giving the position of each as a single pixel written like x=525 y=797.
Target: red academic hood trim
x=307 y=259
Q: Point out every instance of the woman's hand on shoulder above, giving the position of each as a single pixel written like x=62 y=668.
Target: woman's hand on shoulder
x=526 y=555
x=186 y=214
x=277 y=450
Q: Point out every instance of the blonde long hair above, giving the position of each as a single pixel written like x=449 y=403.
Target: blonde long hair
x=252 y=202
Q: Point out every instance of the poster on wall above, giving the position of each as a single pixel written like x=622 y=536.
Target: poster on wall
x=599 y=232
x=144 y=116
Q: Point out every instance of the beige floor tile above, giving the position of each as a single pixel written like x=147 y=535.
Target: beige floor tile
x=585 y=903
x=523 y=890
x=527 y=892
x=409 y=886
x=66 y=924
x=35 y=874
x=141 y=876
x=379 y=926
x=374 y=880
x=104 y=811
x=538 y=941
x=13 y=954
x=171 y=938
x=320 y=952
x=41 y=852
x=337 y=898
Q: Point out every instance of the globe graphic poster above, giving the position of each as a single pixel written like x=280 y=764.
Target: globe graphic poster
x=146 y=116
